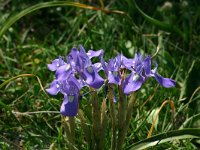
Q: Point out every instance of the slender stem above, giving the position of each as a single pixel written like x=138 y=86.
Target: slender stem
x=104 y=120
x=121 y=118
x=70 y=131
x=128 y=116
x=84 y=126
x=96 y=116
x=72 y=128
x=113 y=117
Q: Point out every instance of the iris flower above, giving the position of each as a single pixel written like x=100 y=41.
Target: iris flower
x=73 y=74
x=112 y=69
x=141 y=70
x=71 y=91
x=87 y=71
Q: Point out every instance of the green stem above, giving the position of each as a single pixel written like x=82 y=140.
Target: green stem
x=121 y=118
x=104 y=120
x=113 y=117
x=72 y=128
x=84 y=126
x=69 y=127
x=96 y=120
x=127 y=121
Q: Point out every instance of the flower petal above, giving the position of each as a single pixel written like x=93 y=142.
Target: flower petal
x=128 y=63
x=69 y=106
x=98 y=66
x=147 y=65
x=72 y=57
x=114 y=77
x=56 y=64
x=92 y=78
x=54 y=88
x=92 y=53
x=63 y=72
x=165 y=82
x=132 y=83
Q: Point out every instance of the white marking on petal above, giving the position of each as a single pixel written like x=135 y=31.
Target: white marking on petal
x=57 y=86
x=70 y=98
x=115 y=73
x=89 y=53
x=98 y=65
x=136 y=77
x=90 y=69
x=68 y=67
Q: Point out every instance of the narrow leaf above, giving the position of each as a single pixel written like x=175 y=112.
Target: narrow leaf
x=166 y=137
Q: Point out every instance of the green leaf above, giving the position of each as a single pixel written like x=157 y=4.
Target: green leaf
x=151 y=117
x=161 y=25
x=166 y=137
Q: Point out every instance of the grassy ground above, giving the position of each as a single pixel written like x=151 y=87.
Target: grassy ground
x=39 y=37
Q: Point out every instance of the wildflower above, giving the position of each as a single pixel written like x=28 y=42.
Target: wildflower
x=141 y=70
x=55 y=87
x=87 y=71
x=71 y=91
x=77 y=72
x=112 y=69
x=56 y=64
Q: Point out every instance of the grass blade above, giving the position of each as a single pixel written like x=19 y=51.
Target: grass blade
x=162 y=25
x=24 y=75
x=166 y=137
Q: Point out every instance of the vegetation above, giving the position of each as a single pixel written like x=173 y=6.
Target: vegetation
x=34 y=33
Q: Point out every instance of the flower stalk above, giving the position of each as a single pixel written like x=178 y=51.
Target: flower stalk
x=96 y=117
x=77 y=71
x=113 y=116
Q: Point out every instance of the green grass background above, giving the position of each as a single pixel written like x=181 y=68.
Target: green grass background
x=39 y=37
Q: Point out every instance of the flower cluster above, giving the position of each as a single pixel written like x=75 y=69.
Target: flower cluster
x=77 y=71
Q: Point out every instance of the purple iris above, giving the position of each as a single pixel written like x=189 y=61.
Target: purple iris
x=78 y=71
x=141 y=70
x=55 y=87
x=73 y=74
x=112 y=69
x=87 y=71
x=56 y=64
x=71 y=91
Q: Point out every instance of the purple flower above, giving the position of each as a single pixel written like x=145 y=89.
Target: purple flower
x=63 y=72
x=71 y=91
x=87 y=71
x=112 y=69
x=141 y=70
x=55 y=87
x=56 y=64
x=92 y=53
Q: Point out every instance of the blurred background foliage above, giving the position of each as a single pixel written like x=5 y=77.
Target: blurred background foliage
x=39 y=37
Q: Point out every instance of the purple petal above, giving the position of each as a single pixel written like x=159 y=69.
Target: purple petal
x=98 y=66
x=132 y=83
x=114 y=77
x=104 y=66
x=165 y=82
x=63 y=72
x=69 y=106
x=72 y=57
x=54 y=88
x=70 y=86
x=83 y=59
x=114 y=64
x=147 y=65
x=128 y=63
x=92 y=78
x=56 y=64
x=92 y=53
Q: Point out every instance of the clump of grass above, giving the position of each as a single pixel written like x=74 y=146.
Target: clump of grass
x=30 y=119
